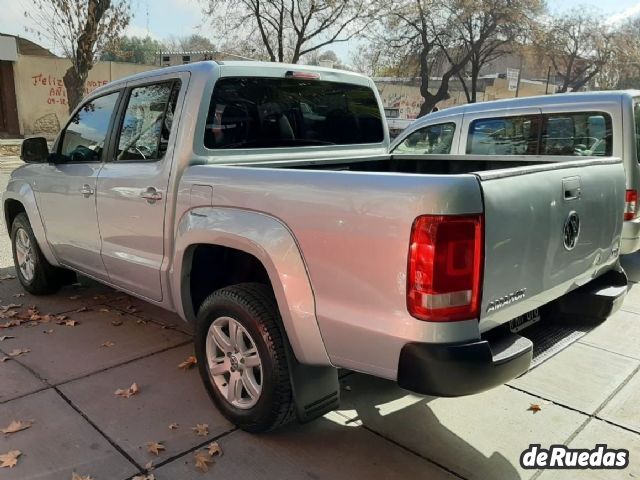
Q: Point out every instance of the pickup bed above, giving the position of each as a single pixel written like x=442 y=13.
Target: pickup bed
x=259 y=202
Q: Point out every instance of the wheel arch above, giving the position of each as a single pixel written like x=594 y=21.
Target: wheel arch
x=20 y=198
x=254 y=247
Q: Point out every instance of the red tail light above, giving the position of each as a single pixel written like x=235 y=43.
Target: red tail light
x=445 y=267
x=631 y=204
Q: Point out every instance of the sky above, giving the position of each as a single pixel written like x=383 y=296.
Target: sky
x=165 y=18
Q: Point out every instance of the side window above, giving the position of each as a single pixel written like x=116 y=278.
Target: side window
x=145 y=129
x=504 y=136
x=579 y=134
x=84 y=137
x=434 y=139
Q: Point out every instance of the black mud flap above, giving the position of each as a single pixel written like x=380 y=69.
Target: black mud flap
x=316 y=390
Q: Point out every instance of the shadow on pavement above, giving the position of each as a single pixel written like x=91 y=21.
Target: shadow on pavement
x=413 y=427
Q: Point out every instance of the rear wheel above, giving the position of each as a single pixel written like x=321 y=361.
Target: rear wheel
x=241 y=357
x=35 y=273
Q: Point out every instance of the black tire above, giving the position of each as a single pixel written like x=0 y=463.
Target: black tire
x=46 y=278
x=254 y=307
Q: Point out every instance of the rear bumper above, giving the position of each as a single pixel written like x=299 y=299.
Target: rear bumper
x=452 y=370
x=630 y=241
x=462 y=369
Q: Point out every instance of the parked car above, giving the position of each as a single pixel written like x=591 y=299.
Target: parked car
x=572 y=124
x=259 y=202
x=395 y=123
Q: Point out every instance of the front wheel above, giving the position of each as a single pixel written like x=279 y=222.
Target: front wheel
x=36 y=275
x=241 y=357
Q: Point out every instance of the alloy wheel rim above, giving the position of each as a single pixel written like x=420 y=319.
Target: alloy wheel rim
x=234 y=362
x=25 y=254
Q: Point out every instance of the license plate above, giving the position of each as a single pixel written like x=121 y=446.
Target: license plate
x=524 y=321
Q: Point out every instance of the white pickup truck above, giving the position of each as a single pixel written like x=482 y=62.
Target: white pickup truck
x=259 y=201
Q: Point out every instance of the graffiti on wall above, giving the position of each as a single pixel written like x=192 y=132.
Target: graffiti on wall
x=407 y=98
x=57 y=91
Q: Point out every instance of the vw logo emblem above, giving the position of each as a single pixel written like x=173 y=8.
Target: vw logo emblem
x=571 y=231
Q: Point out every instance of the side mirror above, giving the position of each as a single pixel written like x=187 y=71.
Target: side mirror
x=34 y=150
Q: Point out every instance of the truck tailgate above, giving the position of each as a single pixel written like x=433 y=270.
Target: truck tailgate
x=548 y=229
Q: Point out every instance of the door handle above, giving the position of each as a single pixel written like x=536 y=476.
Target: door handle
x=86 y=191
x=151 y=195
x=572 y=188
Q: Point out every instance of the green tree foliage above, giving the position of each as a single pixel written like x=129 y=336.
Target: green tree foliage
x=134 y=50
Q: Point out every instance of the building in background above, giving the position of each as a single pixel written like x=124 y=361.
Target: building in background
x=170 y=59
x=33 y=99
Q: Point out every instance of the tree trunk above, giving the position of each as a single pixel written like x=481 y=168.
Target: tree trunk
x=475 y=73
x=74 y=83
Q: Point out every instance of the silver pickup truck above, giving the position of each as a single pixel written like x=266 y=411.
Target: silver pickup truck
x=260 y=203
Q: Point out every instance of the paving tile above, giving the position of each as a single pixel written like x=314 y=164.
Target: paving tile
x=142 y=309
x=70 y=352
x=624 y=407
x=580 y=376
x=88 y=291
x=595 y=432
x=59 y=442
x=15 y=380
x=325 y=448
x=479 y=436
x=167 y=395
x=619 y=334
x=632 y=300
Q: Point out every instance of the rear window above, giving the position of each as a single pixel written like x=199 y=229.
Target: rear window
x=258 y=112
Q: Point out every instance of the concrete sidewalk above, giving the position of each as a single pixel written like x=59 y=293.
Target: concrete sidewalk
x=65 y=384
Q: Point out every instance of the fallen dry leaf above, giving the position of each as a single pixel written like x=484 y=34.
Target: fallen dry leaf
x=16 y=352
x=6 y=337
x=534 y=407
x=18 y=295
x=48 y=332
x=60 y=318
x=74 y=297
x=108 y=344
x=16 y=426
x=201 y=429
x=155 y=447
x=7 y=277
x=141 y=322
x=128 y=392
x=10 y=323
x=11 y=306
x=202 y=461
x=214 y=448
x=148 y=476
x=149 y=465
x=116 y=322
x=188 y=363
x=69 y=323
x=173 y=426
x=106 y=310
x=4 y=359
x=10 y=459
x=82 y=309
x=75 y=476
